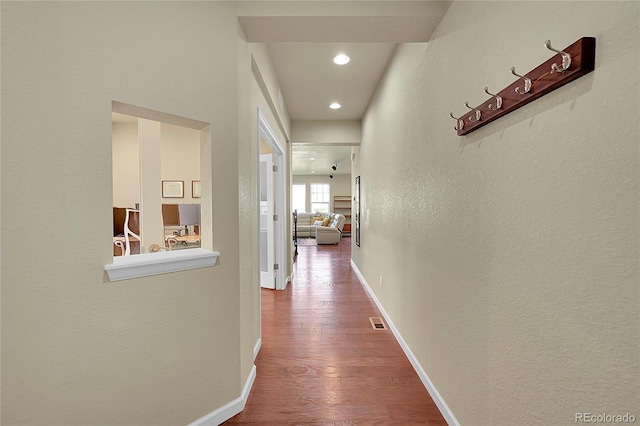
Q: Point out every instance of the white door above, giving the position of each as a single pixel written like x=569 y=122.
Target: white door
x=267 y=276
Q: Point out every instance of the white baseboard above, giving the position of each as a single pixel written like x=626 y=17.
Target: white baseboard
x=435 y=395
x=256 y=349
x=229 y=410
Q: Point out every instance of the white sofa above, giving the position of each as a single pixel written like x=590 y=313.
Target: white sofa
x=330 y=232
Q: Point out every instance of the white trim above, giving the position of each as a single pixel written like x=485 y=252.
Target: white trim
x=256 y=348
x=148 y=264
x=264 y=125
x=230 y=409
x=435 y=395
x=268 y=225
x=279 y=228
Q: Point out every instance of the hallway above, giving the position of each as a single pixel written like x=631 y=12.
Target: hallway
x=322 y=362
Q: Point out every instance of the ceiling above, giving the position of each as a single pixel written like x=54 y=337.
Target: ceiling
x=302 y=44
x=310 y=81
x=318 y=159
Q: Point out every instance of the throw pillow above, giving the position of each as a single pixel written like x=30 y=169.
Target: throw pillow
x=317 y=223
x=316 y=218
x=325 y=222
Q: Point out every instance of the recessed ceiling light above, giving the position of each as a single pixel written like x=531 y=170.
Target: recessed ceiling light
x=312 y=171
x=335 y=105
x=341 y=59
x=312 y=158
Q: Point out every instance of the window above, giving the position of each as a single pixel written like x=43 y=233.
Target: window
x=157 y=163
x=320 y=197
x=146 y=152
x=299 y=198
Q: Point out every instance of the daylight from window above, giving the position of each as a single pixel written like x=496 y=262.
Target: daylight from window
x=320 y=197
x=299 y=198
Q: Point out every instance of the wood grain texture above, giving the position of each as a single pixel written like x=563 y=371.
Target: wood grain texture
x=544 y=79
x=321 y=361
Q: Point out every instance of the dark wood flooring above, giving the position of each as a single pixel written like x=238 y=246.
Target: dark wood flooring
x=321 y=361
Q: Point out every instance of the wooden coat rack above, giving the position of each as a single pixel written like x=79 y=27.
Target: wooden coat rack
x=566 y=66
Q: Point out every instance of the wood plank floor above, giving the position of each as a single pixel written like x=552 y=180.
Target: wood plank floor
x=321 y=361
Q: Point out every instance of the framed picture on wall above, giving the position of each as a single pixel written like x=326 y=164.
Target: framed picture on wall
x=172 y=189
x=195 y=189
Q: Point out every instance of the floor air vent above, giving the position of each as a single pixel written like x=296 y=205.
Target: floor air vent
x=377 y=324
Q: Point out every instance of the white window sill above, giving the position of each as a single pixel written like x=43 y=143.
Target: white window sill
x=148 y=264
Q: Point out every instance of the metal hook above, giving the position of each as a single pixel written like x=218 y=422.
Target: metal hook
x=478 y=113
x=460 y=122
x=527 y=82
x=566 y=58
x=498 y=100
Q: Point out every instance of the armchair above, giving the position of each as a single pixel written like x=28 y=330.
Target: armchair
x=333 y=233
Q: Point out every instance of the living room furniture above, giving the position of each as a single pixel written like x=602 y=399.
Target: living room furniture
x=330 y=226
x=342 y=205
x=328 y=235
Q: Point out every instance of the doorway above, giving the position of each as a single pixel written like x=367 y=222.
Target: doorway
x=272 y=217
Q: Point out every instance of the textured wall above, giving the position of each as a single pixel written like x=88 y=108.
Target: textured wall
x=260 y=54
x=249 y=195
x=510 y=256
x=77 y=349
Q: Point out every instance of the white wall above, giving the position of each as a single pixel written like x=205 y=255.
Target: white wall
x=76 y=348
x=181 y=159
x=510 y=256
x=126 y=164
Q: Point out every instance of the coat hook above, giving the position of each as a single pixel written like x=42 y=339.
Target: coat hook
x=478 y=113
x=566 y=58
x=460 y=125
x=527 y=82
x=498 y=99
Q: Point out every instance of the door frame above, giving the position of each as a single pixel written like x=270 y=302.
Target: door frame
x=267 y=278
x=279 y=228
